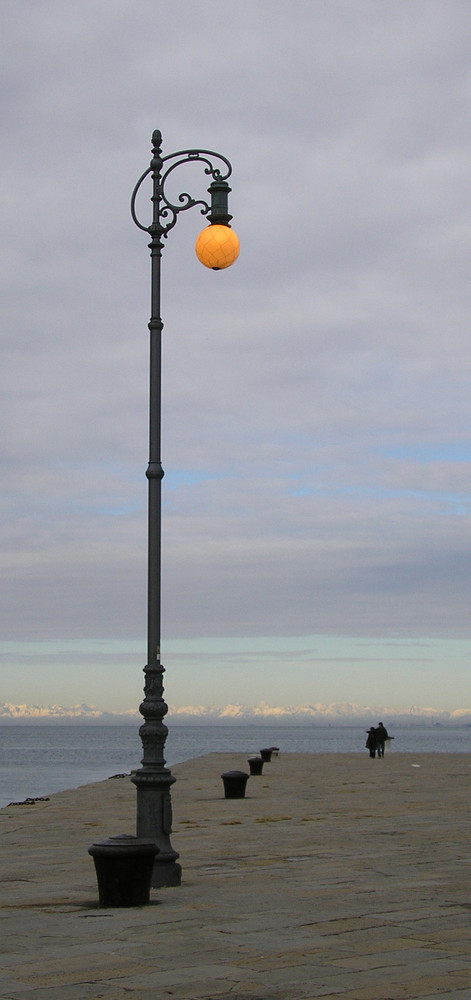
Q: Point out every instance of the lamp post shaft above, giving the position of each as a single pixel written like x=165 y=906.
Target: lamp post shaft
x=155 y=471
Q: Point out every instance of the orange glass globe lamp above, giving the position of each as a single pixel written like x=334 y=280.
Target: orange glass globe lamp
x=217 y=246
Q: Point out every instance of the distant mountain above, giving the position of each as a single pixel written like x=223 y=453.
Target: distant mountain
x=315 y=714
x=77 y=714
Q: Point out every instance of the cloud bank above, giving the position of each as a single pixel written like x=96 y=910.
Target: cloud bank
x=316 y=404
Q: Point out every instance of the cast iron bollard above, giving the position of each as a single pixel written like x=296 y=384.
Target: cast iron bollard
x=234 y=784
x=266 y=753
x=255 y=764
x=123 y=866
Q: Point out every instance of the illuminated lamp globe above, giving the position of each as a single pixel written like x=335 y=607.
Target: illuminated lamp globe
x=217 y=247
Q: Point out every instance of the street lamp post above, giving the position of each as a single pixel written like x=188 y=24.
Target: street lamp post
x=217 y=247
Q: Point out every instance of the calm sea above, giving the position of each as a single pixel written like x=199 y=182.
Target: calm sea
x=41 y=760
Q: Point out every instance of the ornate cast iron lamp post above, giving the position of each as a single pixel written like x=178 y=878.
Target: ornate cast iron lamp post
x=217 y=247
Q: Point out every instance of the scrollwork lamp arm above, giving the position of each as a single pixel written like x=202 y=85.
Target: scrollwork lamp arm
x=166 y=211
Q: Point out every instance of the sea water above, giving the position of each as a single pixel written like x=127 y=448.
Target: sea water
x=38 y=760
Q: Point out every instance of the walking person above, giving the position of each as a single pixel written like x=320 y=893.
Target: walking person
x=371 y=741
x=381 y=737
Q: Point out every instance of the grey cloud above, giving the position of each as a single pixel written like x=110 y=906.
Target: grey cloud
x=341 y=331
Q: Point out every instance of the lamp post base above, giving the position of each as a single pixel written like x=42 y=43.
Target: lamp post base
x=166 y=873
x=154 y=822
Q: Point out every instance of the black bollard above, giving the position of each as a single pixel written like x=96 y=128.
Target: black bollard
x=255 y=764
x=123 y=866
x=266 y=754
x=234 y=784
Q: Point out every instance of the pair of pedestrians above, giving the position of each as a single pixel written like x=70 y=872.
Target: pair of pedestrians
x=376 y=739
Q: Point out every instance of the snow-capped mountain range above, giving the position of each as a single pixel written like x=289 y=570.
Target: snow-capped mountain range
x=310 y=714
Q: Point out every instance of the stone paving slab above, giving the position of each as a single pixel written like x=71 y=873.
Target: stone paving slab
x=336 y=877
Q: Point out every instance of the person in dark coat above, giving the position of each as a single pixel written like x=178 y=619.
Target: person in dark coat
x=381 y=737
x=371 y=741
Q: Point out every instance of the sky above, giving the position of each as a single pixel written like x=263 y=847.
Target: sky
x=316 y=404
